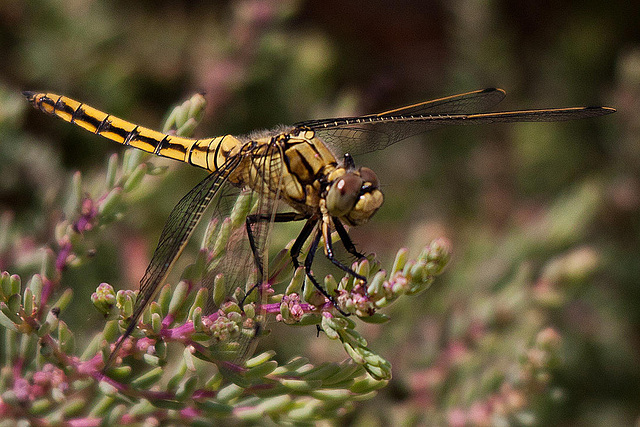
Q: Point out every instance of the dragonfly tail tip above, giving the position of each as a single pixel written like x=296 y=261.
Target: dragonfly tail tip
x=29 y=94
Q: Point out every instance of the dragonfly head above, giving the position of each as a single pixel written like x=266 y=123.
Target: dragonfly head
x=354 y=196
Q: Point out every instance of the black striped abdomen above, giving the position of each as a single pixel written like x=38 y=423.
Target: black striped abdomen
x=193 y=151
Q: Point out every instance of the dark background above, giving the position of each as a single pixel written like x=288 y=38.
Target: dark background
x=543 y=218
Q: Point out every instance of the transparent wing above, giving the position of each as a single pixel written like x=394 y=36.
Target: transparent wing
x=464 y=103
x=357 y=135
x=232 y=262
x=175 y=234
x=267 y=162
x=243 y=262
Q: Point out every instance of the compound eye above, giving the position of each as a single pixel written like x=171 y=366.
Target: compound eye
x=368 y=175
x=343 y=194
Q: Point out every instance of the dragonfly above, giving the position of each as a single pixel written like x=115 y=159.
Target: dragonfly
x=308 y=167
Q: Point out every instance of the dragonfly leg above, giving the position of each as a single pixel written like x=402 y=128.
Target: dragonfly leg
x=296 y=248
x=281 y=217
x=346 y=239
x=254 y=218
x=308 y=262
x=328 y=250
x=284 y=217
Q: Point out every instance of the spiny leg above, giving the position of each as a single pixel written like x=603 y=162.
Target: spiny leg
x=308 y=262
x=296 y=248
x=254 y=218
x=328 y=250
x=346 y=239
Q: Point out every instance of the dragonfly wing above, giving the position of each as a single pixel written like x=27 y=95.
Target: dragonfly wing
x=175 y=234
x=362 y=139
x=464 y=103
x=244 y=261
x=370 y=133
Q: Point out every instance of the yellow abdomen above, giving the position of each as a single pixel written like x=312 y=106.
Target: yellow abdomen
x=208 y=153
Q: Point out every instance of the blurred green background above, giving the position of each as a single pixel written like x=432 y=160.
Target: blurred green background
x=543 y=218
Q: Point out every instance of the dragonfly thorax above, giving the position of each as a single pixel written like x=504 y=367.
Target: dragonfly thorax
x=354 y=196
